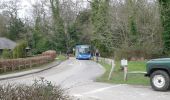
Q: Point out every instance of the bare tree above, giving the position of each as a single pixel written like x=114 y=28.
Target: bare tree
x=146 y=17
x=11 y=7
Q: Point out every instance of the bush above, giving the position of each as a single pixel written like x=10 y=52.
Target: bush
x=40 y=90
x=145 y=51
x=130 y=54
x=19 y=51
x=12 y=64
x=6 y=54
x=51 y=53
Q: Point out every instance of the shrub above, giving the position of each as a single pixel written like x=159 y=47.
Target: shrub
x=147 y=51
x=51 y=53
x=12 y=64
x=135 y=54
x=6 y=54
x=19 y=51
x=40 y=90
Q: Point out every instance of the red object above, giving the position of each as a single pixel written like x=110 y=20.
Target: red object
x=50 y=53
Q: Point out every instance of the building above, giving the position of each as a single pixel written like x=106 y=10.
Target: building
x=6 y=44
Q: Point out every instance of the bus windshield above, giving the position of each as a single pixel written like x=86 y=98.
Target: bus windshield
x=84 y=50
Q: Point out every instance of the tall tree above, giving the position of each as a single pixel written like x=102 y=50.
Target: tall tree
x=58 y=29
x=68 y=13
x=131 y=7
x=3 y=24
x=40 y=31
x=81 y=30
x=101 y=24
x=15 y=25
x=16 y=29
x=165 y=15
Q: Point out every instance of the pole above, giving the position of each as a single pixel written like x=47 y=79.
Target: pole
x=112 y=69
x=124 y=63
x=125 y=73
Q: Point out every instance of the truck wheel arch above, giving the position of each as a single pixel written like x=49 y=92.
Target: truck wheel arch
x=156 y=69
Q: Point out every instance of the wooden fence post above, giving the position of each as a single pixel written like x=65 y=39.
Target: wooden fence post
x=5 y=68
x=30 y=63
x=125 y=73
x=112 y=69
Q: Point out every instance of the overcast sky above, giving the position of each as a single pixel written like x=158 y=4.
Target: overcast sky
x=26 y=7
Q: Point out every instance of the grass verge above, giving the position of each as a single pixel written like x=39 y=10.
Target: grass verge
x=117 y=75
x=61 y=57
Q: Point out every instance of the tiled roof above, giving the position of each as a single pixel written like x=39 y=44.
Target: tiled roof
x=6 y=43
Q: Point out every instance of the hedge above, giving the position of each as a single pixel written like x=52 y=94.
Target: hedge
x=13 y=64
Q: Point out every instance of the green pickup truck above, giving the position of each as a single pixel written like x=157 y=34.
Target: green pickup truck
x=159 y=72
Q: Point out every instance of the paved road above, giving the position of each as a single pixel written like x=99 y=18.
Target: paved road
x=68 y=74
x=101 y=91
x=78 y=77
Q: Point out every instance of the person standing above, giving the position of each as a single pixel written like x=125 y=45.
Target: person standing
x=97 y=54
x=67 y=54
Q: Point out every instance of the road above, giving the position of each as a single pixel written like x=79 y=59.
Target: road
x=78 y=77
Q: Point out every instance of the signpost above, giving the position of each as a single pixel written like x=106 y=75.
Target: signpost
x=124 y=63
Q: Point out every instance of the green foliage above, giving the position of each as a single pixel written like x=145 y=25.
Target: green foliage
x=101 y=22
x=47 y=36
x=61 y=57
x=58 y=27
x=133 y=29
x=40 y=46
x=132 y=32
x=80 y=31
x=38 y=40
x=3 y=28
x=6 y=54
x=100 y=18
x=19 y=51
x=165 y=15
x=73 y=34
x=16 y=29
x=40 y=90
x=131 y=25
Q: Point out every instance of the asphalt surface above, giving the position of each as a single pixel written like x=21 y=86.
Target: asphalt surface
x=78 y=77
x=68 y=74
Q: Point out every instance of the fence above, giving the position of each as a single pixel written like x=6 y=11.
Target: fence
x=125 y=68
x=105 y=60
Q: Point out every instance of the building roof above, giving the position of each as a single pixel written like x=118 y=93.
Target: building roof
x=7 y=43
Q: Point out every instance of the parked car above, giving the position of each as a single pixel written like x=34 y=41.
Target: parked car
x=159 y=72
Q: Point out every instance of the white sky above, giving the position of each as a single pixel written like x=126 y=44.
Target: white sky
x=26 y=7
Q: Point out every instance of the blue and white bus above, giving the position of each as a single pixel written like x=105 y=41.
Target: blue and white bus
x=83 y=52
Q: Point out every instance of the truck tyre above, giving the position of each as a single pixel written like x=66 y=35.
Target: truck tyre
x=160 y=80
